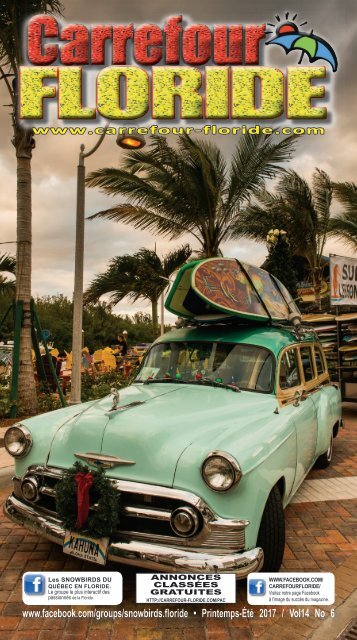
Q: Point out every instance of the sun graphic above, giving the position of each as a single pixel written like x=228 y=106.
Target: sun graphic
x=286 y=27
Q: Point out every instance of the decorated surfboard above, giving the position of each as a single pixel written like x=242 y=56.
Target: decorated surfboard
x=215 y=288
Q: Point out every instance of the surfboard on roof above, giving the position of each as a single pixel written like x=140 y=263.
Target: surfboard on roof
x=217 y=288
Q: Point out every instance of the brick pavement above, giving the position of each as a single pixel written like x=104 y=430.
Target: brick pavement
x=321 y=536
x=6 y=460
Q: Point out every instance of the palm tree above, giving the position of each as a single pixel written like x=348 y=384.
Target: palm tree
x=190 y=189
x=142 y=275
x=7 y=265
x=344 y=224
x=304 y=213
x=13 y=13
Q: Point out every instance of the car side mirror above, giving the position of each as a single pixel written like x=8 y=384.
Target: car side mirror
x=298 y=396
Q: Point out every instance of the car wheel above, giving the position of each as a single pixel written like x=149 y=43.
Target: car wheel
x=271 y=537
x=324 y=460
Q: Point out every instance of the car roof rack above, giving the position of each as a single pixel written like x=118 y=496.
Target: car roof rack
x=299 y=329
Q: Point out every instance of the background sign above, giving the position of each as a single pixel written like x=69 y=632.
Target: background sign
x=343 y=280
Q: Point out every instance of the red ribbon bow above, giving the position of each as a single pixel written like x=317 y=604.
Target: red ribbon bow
x=84 y=482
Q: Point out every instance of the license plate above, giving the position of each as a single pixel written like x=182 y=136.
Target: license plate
x=82 y=546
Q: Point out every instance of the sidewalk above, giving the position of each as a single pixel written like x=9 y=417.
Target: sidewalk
x=321 y=535
x=6 y=467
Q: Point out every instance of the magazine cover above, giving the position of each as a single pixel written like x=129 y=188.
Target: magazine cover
x=178 y=320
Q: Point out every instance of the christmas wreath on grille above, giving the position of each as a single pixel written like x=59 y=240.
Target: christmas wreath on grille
x=80 y=488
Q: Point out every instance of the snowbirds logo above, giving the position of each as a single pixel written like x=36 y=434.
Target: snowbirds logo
x=176 y=71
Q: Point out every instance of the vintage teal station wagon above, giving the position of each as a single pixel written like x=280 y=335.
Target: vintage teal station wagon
x=207 y=446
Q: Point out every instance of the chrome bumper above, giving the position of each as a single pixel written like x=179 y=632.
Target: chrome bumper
x=142 y=554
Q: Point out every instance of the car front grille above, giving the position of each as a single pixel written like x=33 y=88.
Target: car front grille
x=145 y=512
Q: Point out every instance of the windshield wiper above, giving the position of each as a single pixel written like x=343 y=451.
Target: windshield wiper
x=214 y=383
x=168 y=380
x=203 y=382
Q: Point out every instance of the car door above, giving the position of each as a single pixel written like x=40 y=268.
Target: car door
x=295 y=372
x=326 y=398
x=308 y=435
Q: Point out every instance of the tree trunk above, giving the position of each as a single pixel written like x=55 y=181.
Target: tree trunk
x=23 y=142
x=316 y=281
x=210 y=249
x=155 y=318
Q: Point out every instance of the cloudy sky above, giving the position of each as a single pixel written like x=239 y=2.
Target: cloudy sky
x=55 y=159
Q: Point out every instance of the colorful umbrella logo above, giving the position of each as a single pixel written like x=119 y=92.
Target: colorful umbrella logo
x=291 y=39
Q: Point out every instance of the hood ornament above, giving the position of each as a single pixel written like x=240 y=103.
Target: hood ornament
x=101 y=460
x=115 y=393
x=115 y=402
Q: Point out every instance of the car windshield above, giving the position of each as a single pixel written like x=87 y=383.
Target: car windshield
x=244 y=366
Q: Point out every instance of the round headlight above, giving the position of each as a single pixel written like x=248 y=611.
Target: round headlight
x=184 y=521
x=17 y=441
x=221 y=471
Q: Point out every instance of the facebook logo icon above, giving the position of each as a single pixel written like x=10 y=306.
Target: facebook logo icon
x=34 y=584
x=256 y=587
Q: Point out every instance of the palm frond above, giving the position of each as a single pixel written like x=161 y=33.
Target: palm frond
x=188 y=188
x=7 y=287
x=344 y=227
x=7 y=263
x=344 y=224
x=142 y=275
x=145 y=219
x=173 y=201
x=256 y=159
x=346 y=194
x=12 y=16
x=256 y=219
x=322 y=197
x=175 y=259
x=299 y=205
